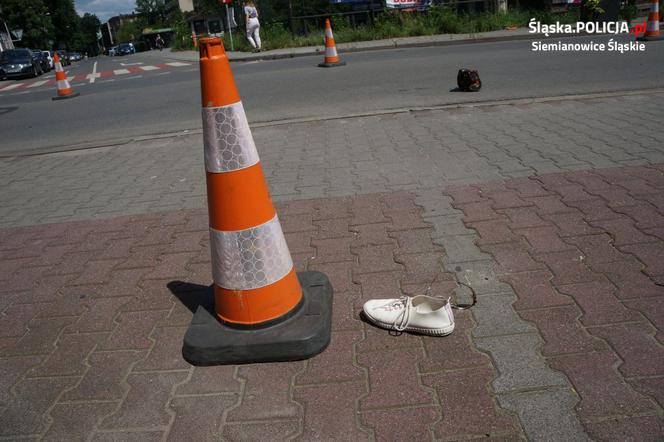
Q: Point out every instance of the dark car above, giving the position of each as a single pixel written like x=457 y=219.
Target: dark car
x=75 y=56
x=19 y=63
x=42 y=59
x=126 y=49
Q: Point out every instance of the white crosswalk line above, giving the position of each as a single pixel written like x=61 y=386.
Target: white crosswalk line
x=120 y=71
x=93 y=75
x=149 y=68
x=11 y=86
x=177 y=64
x=38 y=83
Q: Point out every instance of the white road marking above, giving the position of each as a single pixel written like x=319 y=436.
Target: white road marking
x=131 y=78
x=38 y=83
x=162 y=73
x=177 y=64
x=131 y=64
x=120 y=71
x=107 y=81
x=94 y=73
x=11 y=86
x=149 y=68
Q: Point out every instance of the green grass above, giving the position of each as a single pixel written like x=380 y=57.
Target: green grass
x=393 y=24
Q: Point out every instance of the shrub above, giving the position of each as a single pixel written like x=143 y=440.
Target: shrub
x=393 y=24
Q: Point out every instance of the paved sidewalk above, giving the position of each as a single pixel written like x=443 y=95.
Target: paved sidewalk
x=359 y=46
x=371 y=45
x=552 y=212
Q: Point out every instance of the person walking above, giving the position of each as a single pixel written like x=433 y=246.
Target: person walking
x=159 y=42
x=253 y=25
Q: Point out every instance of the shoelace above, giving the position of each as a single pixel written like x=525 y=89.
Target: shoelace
x=402 y=320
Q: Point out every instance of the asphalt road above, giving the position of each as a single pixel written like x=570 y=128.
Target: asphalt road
x=167 y=99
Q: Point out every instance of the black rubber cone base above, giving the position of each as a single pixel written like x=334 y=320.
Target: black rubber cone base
x=332 y=65
x=64 y=97
x=303 y=335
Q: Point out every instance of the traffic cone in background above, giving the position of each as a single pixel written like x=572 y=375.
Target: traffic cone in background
x=64 y=89
x=195 y=40
x=652 y=26
x=331 y=56
x=263 y=310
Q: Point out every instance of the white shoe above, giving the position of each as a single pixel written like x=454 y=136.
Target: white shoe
x=420 y=314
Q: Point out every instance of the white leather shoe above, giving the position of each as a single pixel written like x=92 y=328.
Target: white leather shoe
x=420 y=314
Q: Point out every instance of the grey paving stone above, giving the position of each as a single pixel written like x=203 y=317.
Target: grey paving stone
x=495 y=316
x=350 y=156
x=460 y=248
x=479 y=275
x=519 y=364
x=447 y=225
x=546 y=415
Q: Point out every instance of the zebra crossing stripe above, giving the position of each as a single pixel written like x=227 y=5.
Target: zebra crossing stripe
x=38 y=83
x=11 y=86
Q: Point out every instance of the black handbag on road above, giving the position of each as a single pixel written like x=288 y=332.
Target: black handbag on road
x=468 y=80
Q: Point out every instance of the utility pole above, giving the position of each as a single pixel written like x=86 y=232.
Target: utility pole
x=110 y=34
x=290 y=17
x=230 y=30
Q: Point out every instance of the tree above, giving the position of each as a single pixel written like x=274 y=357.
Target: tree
x=65 y=20
x=154 y=12
x=88 y=27
x=129 y=31
x=32 y=17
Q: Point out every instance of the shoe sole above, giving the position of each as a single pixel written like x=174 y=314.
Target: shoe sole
x=425 y=331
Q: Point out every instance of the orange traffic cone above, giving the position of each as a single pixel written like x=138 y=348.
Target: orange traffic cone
x=194 y=39
x=652 y=26
x=331 y=56
x=263 y=310
x=64 y=89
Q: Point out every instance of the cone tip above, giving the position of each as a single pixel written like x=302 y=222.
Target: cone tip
x=209 y=47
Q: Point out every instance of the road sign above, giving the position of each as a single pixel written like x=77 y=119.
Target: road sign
x=18 y=34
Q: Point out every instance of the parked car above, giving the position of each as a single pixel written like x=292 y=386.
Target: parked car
x=113 y=51
x=44 y=65
x=126 y=49
x=18 y=63
x=75 y=56
x=49 y=57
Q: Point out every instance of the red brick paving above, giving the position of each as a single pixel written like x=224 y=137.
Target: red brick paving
x=598 y=297
x=91 y=335
x=90 y=329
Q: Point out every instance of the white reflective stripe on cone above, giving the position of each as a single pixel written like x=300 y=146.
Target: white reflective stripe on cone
x=652 y=26
x=63 y=84
x=328 y=32
x=250 y=259
x=58 y=67
x=331 y=52
x=227 y=139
